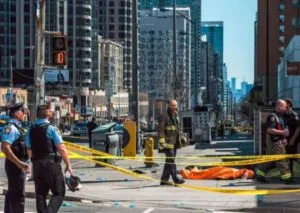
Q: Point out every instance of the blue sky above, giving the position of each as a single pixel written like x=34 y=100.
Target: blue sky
x=238 y=17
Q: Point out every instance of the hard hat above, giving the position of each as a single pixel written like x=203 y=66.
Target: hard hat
x=73 y=183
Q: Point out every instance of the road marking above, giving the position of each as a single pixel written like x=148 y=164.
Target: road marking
x=222 y=212
x=148 y=210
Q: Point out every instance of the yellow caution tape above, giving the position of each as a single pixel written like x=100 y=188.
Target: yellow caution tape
x=229 y=163
x=258 y=160
x=200 y=188
x=97 y=152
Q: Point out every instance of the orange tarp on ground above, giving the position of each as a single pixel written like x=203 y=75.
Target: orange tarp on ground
x=224 y=173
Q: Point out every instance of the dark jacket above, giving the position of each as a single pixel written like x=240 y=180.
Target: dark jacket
x=168 y=130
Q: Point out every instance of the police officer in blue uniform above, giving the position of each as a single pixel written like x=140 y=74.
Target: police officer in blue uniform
x=13 y=146
x=46 y=150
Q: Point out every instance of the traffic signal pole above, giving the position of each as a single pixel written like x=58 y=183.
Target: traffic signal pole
x=40 y=54
x=39 y=72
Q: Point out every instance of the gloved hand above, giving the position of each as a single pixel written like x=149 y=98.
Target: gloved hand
x=162 y=146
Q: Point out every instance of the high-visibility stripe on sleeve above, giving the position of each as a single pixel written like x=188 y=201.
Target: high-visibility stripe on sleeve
x=286 y=176
x=161 y=140
x=170 y=127
x=259 y=172
x=170 y=146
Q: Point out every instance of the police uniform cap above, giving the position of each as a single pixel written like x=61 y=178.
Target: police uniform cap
x=16 y=107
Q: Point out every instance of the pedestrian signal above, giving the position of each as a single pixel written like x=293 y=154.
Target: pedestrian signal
x=59 y=50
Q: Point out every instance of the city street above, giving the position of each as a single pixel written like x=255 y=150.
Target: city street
x=105 y=190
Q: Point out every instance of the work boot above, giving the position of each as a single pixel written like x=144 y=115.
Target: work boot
x=179 y=181
x=165 y=183
x=261 y=179
x=288 y=181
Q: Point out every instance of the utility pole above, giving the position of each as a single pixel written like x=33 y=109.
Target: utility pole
x=175 y=53
x=40 y=54
x=135 y=73
x=267 y=54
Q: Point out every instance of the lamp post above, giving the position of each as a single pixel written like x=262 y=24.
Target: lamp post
x=175 y=71
x=175 y=52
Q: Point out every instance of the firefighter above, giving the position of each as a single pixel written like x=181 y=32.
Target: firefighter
x=46 y=150
x=293 y=121
x=168 y=133
x=277 y=132
x=13 y=146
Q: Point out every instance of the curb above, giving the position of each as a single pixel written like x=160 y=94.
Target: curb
x=66 y=198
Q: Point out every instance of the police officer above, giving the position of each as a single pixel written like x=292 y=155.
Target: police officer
x=46 y=150
x=13 y=146
x=293 y=121
x=168 y=133
x=277 y=132
x=91 y=125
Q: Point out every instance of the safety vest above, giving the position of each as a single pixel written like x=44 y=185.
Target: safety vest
x=41 y=146
x=18 y=146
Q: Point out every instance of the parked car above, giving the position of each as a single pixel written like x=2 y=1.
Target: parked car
x=79 y=129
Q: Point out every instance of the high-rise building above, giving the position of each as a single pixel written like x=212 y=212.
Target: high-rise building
x=225 y=91
x=80 y=48
x=17 y=38
x=233 y=85
x=214 y=33
x=115 y=22
x=156 y=62
x=277 y=22
x=213 y=30
x=195 y=7
x=244 y=85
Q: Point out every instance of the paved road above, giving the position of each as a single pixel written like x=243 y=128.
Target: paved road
x=138 y=196
x=105 y=208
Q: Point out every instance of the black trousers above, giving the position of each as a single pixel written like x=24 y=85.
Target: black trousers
x=15 y=196
x=47 y=175
x=292 y=150
x=90 y=140
x=170 y=166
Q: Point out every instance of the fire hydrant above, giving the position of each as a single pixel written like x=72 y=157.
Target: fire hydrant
x=149 y=146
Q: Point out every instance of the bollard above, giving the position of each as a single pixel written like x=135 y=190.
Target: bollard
x=149 y=146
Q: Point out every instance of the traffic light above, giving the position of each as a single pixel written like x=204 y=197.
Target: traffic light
x=59 y=50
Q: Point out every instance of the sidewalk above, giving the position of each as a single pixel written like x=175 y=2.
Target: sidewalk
x=103 y=185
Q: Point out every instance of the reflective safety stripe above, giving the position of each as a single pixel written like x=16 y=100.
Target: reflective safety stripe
x=261 y=173
x=170 y=146
x=161 y=140
x=286 y=176
x=170 y=127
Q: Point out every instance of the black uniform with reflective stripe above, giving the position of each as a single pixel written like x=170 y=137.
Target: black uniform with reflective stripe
x=41 y=146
